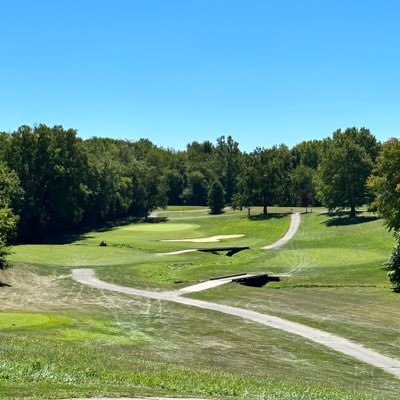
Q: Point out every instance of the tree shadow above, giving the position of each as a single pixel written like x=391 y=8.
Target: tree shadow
x=155 y=220
x=216 y=213
x=2 y=284
x=340 y=220
x=82 y=233
x=265 y=217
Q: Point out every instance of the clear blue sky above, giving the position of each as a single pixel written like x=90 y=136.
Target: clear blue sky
x=174 y=71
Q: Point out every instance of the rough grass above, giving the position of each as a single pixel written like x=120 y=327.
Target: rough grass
x=119 y=345
x=332 y=279
x=74 y=341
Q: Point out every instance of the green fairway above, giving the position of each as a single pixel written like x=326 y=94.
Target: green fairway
x=75 y=341
x=133 y=250
x=158 y=227
x=332 y=278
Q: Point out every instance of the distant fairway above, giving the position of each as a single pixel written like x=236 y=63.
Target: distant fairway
x=76 y=341
x=158 y=227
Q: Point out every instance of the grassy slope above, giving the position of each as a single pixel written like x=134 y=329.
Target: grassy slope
x=78 y=341
x=132 y=250
x=335 y=282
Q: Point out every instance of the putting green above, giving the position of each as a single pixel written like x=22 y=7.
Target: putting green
x=17 y=320
x=159 y=227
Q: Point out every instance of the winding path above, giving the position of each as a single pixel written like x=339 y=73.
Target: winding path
x=342 y=345
x=294 y=225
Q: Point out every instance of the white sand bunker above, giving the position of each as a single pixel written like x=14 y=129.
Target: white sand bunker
x=211 y=239
x=172 y=253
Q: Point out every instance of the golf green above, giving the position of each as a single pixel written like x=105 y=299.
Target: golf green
x=10 y=320
x=159 y=227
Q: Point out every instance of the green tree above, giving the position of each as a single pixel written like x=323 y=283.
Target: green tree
x=196 y=190
x=385 y=184
x=246 y=195
x=264 y=178
x=226 y=164
x=342 y=173
x=216 y=200
x=303 y=186
x=149 y=190
x=10 y=194
x=51 y=166
x=307 y=153
x=393 y=265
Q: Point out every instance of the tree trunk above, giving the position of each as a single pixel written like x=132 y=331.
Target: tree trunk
x=352 y=212
x=265 y=208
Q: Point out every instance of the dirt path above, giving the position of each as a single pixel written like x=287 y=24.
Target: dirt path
x=295 y=220
x=87 y=277
x=342 y=345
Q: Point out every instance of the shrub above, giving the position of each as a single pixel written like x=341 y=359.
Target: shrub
x=393 y=265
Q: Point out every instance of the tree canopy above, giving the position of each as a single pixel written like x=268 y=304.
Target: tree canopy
x=343 y=170
x=385 y=184
x=216 y=200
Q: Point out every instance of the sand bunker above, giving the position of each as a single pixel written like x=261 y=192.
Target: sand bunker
x=172 y=253
x=210 y=239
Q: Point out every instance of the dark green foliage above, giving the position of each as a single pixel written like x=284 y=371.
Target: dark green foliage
x=149 y=190
x=4 y=252
x=385 y=184
x=343 y=170
x=10 y=200
x=303 y=185
x=264 y=178
x=68 y=182
x=51 y=166
x=227 y=164
x=393 y=266
x=307 y=153
x=196 y=190
x=216 y=200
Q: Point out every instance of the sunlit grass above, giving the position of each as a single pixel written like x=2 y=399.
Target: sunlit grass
x=60 y=339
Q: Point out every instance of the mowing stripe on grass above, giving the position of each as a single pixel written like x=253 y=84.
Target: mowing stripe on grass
x=390 y=365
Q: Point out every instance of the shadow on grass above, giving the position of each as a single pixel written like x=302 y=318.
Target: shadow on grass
x=264 y=217
x=82 y=233
x=343 y=219
x=2 y=284
x=155 y=220
x=216 y=213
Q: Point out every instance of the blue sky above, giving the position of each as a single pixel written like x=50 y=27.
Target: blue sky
x=265 y=72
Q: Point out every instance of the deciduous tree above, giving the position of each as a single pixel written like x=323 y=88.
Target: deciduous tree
x=216 y=200
x=342 y=173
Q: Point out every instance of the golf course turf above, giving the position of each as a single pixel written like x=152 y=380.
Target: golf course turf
x=82 y=342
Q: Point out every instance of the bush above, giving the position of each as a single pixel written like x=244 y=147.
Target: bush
x=216 y=200
x=4 y=252
x=393 y=265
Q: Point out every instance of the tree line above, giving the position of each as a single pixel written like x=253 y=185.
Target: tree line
x=51 y=180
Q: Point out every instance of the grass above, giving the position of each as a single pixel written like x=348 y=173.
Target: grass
x=75 y=341
x=333 y=280
x=131 y=256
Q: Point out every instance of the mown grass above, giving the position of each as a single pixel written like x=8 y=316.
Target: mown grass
x=60 y=339
x=332 y=279
x=167 y=351
x=132 y=255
